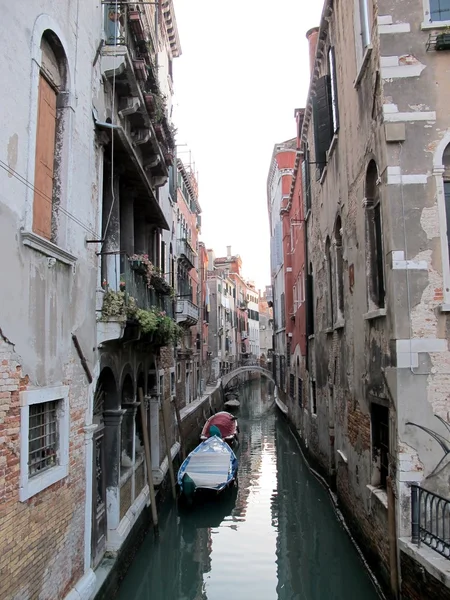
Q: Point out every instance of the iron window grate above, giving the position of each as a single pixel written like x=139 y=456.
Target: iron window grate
x=42 y=437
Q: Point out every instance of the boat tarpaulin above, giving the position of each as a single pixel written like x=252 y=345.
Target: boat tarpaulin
x=211 y=465
x=226 y=423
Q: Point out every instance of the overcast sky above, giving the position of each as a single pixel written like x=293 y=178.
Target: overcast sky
x=243 y=71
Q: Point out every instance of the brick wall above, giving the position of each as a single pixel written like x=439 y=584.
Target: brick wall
x=42 y=540
x=418 y=583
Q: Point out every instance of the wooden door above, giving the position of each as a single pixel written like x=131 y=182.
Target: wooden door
x=45 y=158
x=98 y=498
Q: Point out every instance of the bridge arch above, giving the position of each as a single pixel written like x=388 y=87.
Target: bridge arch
x=245 y=369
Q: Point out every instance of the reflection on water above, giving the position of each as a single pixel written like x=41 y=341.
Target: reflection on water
x=275 y=537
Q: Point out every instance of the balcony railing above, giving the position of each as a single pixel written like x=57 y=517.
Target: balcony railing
x=117 y=274
x=430 y=520
x=187 y=312
x=187 y=253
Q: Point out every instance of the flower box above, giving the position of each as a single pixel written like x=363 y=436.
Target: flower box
x=140 y=69
x=159 y=132
x=443 y=41
x=134 y=17
x=150 y=103
x=138 y=266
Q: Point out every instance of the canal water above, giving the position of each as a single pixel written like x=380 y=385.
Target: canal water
x=274 y=537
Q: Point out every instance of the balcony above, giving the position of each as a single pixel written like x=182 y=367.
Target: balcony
x=186 y=254
x=187 y=312
x=129 y=288
x=128 y=59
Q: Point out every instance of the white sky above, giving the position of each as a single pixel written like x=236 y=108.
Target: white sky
x=243 y=71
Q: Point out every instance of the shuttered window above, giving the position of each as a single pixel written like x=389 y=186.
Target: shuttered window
x=306 y=178
x=322 y=116
x=333 y=90
x=45 y=158
x=440 y=10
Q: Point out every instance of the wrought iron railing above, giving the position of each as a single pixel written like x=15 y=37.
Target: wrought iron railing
x=186 y=250
x=430 y=520
x=118 y=274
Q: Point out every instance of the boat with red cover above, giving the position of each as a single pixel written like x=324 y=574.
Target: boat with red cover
x=227 y=425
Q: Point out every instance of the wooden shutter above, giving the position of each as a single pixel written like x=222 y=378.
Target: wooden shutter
x=322 y=120
x=45 y=158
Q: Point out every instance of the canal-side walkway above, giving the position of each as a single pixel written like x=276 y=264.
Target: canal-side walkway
x=275 y=537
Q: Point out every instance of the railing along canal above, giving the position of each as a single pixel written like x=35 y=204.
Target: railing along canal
x=430 y=520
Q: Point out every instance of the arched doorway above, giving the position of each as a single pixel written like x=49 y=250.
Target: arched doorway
x=105 y=397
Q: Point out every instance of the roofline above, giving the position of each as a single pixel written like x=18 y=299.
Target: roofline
x=322 y=36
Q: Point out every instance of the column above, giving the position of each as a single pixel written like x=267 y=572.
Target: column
x=111 y=232
x=131 y=409
x=113 y=422
x=154 y=431
x=127 y=222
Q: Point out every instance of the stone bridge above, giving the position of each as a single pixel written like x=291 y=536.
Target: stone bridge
x=246 y=368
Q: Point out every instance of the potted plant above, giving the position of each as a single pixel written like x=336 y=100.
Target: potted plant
x=443 y=40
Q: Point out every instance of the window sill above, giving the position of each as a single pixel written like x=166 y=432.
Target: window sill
x=311 y=337
x=38 y=483
x=333 y=145
x=444 y=307
x=328 y=330
x=435 y=25
x=374 y=314
x=340 y=324
x=32 y=240
x=379 y=494
x=362 y=68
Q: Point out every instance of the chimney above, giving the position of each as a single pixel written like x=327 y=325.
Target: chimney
x=228 y=251
x=312 y=36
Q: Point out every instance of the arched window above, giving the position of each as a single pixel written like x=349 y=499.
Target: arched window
x=49 y=137
x=339 y=270
x=446 y=177
x=374 y=240
x=329 y=295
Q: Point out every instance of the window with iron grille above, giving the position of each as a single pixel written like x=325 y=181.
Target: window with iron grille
x=42 y=437
x=380 y=444
x=292 y=386
x=300 y=392
x=288 y=353
x=313 y=397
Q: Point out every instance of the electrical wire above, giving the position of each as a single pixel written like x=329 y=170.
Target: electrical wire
x=48 y=199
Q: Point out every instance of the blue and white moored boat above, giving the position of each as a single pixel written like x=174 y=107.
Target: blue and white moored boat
x=211 y=466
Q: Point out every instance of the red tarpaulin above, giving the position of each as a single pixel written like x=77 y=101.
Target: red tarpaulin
x=224 y=421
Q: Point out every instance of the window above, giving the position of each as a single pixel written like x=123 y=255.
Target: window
x=49 y=133
x=292 y=386
x=339 y=266
x=161 y=385
x=374 y=240
x=322 y=117
x=380 y=444
x=313 y=397
x=439 y=10
x=172 y=381
x=310 y=301
x=288 y=352
x=44 y=439
x=330 y=294
x=364 y=23
x=306 y=178
x=333 y=89
x=300 y=392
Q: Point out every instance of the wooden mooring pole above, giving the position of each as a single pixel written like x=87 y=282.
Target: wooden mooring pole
x=168 y=450
x=148 y=458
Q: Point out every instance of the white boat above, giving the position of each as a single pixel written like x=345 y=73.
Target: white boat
x=211 y=466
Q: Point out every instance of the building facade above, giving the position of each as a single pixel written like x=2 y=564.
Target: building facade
x=48 y=319
x=188 y=290
x=279 y=183
x=375 y=143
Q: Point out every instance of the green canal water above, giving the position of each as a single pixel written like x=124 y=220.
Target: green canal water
x=274 y=537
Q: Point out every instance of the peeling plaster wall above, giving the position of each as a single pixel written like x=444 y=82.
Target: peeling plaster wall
x=398 y=116
x=45 y=301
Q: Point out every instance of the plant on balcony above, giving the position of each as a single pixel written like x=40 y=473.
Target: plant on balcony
x=443 y=40
x=113 y=306
x=157 y=326
x=142 y=264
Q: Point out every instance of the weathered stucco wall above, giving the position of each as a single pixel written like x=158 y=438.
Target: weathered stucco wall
x=49 y=294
